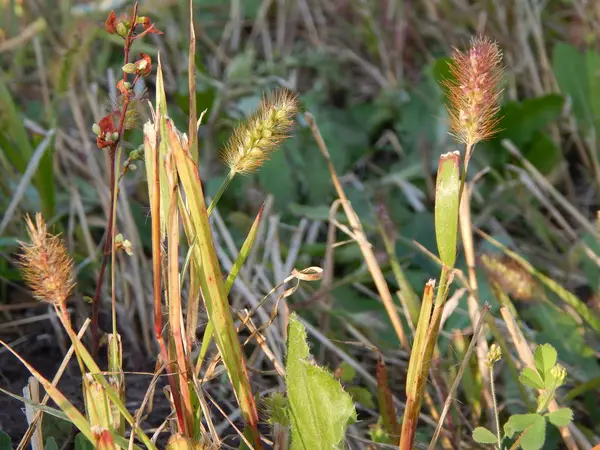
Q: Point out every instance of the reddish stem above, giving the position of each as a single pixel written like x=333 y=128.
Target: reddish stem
x=109 y=226
x=156 y=283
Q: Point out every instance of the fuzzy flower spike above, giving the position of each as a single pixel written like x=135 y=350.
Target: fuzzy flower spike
x=474 y=93
x=253 y=142
x=46 y=265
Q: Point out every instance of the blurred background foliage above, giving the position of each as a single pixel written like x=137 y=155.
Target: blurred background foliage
x=370 y=72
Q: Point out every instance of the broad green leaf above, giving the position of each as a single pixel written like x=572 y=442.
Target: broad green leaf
x=520 y=121
x=320 y=410
x=82 y=443
x=347 y=371
x=277 y=177
x=361 y=395
x=530 y=377
x=5 y=441
x=519 y=422
x=561 y=417
x=545 y=359
x=50 y=444
x=534 y=436
x=543 y=153
x=577 y=77
x=484 y=436
x=422 y=115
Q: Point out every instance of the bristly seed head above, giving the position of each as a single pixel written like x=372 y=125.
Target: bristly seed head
x=46 y=265
x=475 y=91
x=253 y=141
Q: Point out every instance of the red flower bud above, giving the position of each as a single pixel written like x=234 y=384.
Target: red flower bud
x=149 y=27
x=107 y=130
x=123 y=87
x=143 y=65
x=110 y=25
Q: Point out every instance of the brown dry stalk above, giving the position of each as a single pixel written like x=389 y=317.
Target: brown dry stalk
x=361 y=238
x=174 y=292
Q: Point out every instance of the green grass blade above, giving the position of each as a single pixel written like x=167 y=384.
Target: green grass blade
x=589 y=316
x=235 y=270
x=18 y=149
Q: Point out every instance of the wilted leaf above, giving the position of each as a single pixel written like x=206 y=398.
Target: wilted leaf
x=320 y=410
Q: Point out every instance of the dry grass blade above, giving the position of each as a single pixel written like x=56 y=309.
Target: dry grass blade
x=361 y=239
x=67 y=407
x=454 y=387
x=587 y=314
x=466 y=232
x=211 y=282
x=55 y=380
x=29 y=173
x=174 y=295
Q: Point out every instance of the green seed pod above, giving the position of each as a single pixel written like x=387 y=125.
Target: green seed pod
x=129 y=68
x=446 y=207
x=121 y=29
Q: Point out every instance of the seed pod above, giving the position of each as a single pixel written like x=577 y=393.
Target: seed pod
x=446 y=207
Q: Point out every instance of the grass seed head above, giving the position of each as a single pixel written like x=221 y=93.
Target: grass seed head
x=510 y=276
x=46 y=265
x=475 y=91
x=253 y=141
